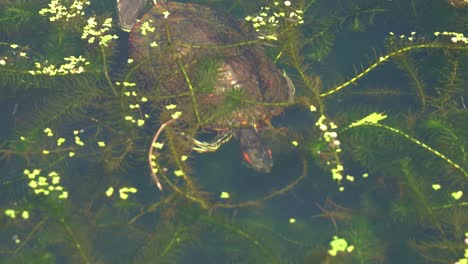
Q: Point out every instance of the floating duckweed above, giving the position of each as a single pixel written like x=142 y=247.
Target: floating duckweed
x=224 y=195
x=58 y=11
x=25 y=215
x=455 y=37
x=292 y=220
x=140 y=122
x=123 y=192
x=45 y=152
x=129 y=84
x=45 y=185
x=43 y=191
x=55 y=180
x=78 y=141
x=270 y=20
x=123 y=195
x=101 y=144
x=33 y=174
x=73 y=65
x=130 y=60
x=365 y=175
x=158 y=145
x=295 y=143
x=349 y=178
x=42 y=180
x=464 y=260
x=110 y=191
x=171 y=106
x=91 y=32
x=146 y=27
x=33 y=184
x=48 y=132
x=457 y=195
x=436 y=187
x=16 y=239
x=330 y=136
x=10 y=213
x=63 y=195
x=71 y=154
x=176 y=115
x=337 y=173
x=166 y=14
x=60 y=141
x=153 y=44
x=179 y=173
x=339 y=245
x=183 y=158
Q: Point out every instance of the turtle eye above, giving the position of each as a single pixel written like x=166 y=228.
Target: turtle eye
x=246 y=157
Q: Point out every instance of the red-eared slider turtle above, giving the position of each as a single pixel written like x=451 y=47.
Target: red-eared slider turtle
x=176 y=44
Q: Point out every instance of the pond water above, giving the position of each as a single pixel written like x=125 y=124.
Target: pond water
x=369 y=155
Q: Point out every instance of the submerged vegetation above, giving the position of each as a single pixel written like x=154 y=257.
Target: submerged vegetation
x=370 y=164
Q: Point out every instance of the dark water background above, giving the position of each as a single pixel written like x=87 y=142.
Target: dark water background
x=393 y=216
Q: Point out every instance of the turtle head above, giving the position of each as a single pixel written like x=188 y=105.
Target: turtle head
x=255 y=154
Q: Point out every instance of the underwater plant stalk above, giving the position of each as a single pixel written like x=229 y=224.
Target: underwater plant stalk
x=106 y=73
x=419 y=143
x=187 y=80
x=35 y=229
x=382 y=59
x=76 y=243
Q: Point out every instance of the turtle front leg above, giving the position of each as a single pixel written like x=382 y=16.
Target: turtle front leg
x=212 y=146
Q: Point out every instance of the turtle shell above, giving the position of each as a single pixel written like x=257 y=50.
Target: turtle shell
x=180 y=45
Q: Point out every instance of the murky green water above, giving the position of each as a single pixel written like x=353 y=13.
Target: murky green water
x=376 y=173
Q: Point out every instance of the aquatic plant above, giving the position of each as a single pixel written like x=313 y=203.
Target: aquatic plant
x=84 y=129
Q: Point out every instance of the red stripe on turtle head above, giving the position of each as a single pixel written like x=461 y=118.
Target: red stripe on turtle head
x=246 y=157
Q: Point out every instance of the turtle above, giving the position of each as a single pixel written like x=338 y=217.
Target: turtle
x=173 y=42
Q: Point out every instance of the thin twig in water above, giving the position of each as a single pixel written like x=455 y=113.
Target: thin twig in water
x=150 y=152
